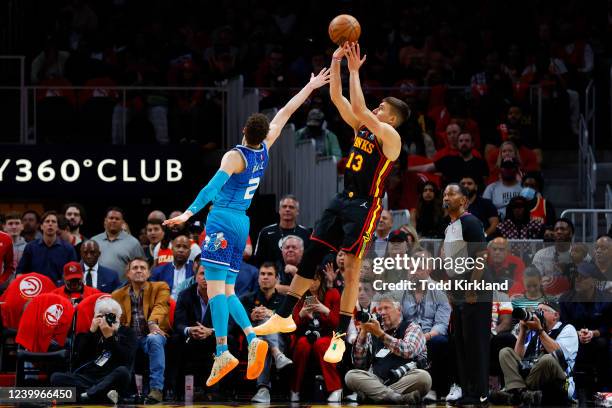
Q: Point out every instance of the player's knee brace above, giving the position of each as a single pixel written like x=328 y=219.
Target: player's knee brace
x=313 y=256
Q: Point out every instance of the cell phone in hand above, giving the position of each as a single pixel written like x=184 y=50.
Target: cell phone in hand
x=310 y=300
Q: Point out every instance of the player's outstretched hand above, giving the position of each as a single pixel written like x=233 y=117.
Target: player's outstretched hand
x=339 y=53
x=321 y=79
x=181 y=219
x=353 y=56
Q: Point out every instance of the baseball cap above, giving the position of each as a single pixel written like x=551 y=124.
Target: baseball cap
x=315 y=117
x=73 y=270
x=589 y=270
x=552 y=303
x=398 y=236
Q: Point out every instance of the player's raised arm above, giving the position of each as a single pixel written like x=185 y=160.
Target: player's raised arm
x=283 y=115
x=335 y=91
x=231 y=163
x=390 y=138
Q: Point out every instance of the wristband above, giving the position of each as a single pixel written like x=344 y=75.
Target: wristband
x=336 y=59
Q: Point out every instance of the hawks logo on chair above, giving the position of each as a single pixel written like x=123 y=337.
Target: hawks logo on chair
x=30 y=287
x=53 y=314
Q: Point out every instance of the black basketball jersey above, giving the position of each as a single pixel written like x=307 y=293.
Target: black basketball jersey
x=367 y=167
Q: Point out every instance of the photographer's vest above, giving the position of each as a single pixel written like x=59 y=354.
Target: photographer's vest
x=535 y=348
x=382 y=365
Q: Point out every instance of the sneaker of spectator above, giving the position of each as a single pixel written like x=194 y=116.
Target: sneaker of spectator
x=262 y=396
x=454 y=394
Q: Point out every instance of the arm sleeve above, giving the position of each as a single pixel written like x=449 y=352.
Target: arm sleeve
x=160 y=309
x=442 y=317
x=180 y=314
x=334 y=145
x=24 y=263
x=8 y=260
x=208 y=193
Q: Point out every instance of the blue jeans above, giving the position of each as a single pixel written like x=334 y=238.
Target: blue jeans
x=153 y=346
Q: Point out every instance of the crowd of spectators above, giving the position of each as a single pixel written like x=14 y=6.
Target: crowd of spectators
x=275 y=46
x=482 y=136
x=162 y=309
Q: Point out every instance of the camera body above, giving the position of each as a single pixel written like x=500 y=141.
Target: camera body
x=365 y=317
x=110 y=318
x=313 y=332
x=527 y=315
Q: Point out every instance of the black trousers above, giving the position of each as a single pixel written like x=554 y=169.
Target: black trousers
x=96 y=388
x=498 y=342
x=438 y=351
x=472 y=330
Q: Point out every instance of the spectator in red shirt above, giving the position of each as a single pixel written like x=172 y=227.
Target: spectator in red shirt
x=74 y=288
x=504 y=266
x=506 y=151
x=453 y=131
x=454 y=167
x=529 y=159
x=315 y=315
x=7 y=267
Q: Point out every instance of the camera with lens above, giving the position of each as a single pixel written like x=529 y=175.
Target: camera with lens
x=313 y=333
x=365 y=317
x=399 y=372
x=110 y=318
x=527 y=315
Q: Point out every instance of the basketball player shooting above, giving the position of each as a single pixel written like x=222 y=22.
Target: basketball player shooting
x=227 y=226
x=351 y=217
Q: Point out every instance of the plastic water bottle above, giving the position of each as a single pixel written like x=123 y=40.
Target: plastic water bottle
x=189 y=389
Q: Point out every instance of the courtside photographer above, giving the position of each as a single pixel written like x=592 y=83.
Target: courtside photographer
x=539 y=367
x=104 y=357
x=389 y=354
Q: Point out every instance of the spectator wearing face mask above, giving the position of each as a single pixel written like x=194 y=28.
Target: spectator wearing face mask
x=540 y=209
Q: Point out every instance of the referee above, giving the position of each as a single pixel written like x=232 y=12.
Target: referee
x=471 y=319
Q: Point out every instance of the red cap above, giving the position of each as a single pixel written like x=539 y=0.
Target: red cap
x=73 y=270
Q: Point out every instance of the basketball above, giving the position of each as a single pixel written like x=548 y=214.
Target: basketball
x=344 y=28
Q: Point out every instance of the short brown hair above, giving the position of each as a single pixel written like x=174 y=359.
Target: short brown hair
x=138 y=258
x=47 y=214
x=256 y=129
x=400 y=109
x=13 y=215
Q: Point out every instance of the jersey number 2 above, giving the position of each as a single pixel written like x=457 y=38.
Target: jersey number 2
x=356 y=163
x=250 y=191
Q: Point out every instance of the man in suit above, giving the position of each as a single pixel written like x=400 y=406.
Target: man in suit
x=145 y=309
x=97 y=276
x=179 y=269
x=193 y=326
